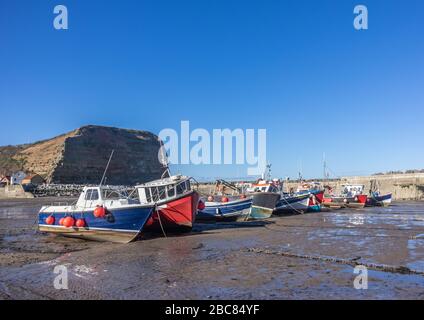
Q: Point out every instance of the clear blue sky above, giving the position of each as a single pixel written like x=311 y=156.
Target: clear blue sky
x=297 y=68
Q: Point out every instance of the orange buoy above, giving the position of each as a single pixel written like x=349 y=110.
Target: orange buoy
x=80 y=223
x=61 y=221
x=210 y=198
x=99 y=212
x=68 y=222
x=224 y=199
x=243 y=196
x=201 y=205
x=50 y=220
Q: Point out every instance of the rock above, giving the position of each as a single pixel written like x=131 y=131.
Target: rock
x=80 y=156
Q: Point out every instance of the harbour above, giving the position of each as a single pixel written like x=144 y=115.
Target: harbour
x=304 y=256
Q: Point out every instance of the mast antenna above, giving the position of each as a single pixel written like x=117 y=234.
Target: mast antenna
x=107 y=167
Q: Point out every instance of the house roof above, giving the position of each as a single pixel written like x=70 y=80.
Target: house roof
x=30 y=176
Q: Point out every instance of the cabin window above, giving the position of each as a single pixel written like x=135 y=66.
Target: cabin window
x=92 y=194
x=155 y=194
x=148 y=195
x=181 y=188
x=162 y=192
x=171 y=191
x=188 y=187
x=110 y=194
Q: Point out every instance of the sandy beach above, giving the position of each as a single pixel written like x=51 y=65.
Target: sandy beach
x=309 y=256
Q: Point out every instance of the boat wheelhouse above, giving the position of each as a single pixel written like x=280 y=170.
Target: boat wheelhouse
x=175 y=203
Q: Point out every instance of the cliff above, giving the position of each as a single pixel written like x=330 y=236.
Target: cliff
x=81 y=156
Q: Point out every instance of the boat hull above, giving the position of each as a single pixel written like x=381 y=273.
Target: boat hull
x=175 y=216
x=381 y=201
x=315 y=201
x=293 y=204
x=263 y=205
x=356 y=202
x=237 y=210
x=121 y=225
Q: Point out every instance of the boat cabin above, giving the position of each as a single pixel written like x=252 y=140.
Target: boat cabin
x=352 y=190
x=163 y=190
x=97 y=196
x=265 y=186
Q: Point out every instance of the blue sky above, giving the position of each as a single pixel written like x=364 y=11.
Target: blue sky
x=297 y=68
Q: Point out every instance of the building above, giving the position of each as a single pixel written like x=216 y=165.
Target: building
x=5 y=181
x=17 y=177
x=34 y=179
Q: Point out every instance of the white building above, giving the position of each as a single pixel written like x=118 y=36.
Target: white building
x=17 y=177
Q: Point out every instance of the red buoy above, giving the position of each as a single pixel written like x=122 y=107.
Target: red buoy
x=99 y=212
x=201 y=205
x=80 y=223
x=68 y=222
x=61 y=221
x=210 y=198
x=50 y=220
x=224 y=199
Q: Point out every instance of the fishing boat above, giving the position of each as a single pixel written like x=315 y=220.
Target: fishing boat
x=376 y=199
x=351 y=197
x=175 y=203
x=265 y=195
x=236 y=209
x=316 y=192
x=100 y=213
x=298 y=203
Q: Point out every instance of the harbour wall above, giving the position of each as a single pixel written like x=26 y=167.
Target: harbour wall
x=15 y=191
x=402 y=186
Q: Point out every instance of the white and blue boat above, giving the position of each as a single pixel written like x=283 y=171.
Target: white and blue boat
x=235 y=210
x=298 y=203
x=376 y=199
x=100 y=213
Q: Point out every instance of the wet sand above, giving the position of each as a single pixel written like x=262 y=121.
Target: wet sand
x=309 y=256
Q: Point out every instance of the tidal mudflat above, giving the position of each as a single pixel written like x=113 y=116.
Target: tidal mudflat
x=309 y=256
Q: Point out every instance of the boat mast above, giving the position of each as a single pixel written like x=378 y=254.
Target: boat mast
x=107 y=166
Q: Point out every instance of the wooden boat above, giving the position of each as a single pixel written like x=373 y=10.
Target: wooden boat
x=237 y=209
x=175 y=204
x=379 y=200
x=100 y=213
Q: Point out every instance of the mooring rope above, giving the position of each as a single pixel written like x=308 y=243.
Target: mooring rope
x=287 y=203
x=352 y=262
x=160 y=221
